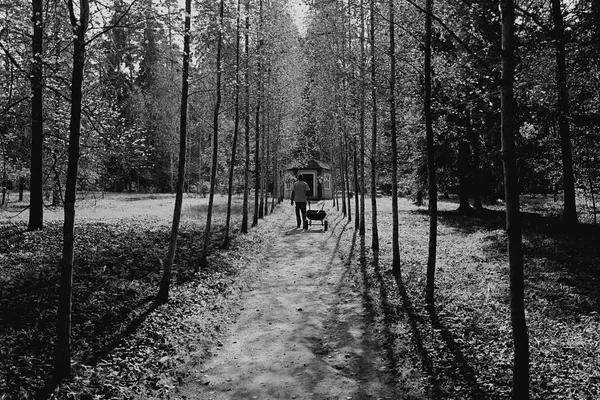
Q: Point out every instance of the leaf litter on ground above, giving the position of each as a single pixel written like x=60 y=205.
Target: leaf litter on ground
x=463 y=348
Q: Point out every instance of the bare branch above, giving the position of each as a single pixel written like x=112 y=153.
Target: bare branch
x=116 y=24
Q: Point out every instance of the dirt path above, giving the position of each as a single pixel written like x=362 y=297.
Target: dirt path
x=302 y=332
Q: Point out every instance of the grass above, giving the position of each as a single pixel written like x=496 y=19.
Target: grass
x=465 y=344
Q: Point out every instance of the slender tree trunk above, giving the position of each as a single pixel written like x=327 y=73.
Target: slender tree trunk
x=346 y=161
x=570 y=209
x=363 y=73
x=431 y=172
x=276 y=191
x=590 y=169
x=375 y=233
x=215 y=144
x=21 y=188
x=346 y=158
x=513 y=218
x=357 y=190
x=463 y=177
x=62 y=366
x=342 y=178
x=165 y=282
x=257 y=161
x=245 y=201
x=334 y=169
x=394 y=142
x=36 y=202
x=473 y=135
x=5 y=195
x=4 y=172
x=236 y=124
x=266 y=131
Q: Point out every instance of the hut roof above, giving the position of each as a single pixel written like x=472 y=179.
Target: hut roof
x=312 y=164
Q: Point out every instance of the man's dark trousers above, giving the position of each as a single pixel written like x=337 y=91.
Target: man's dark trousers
x=300 y=209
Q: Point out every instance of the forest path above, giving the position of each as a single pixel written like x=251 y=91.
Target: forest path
x=302 y=332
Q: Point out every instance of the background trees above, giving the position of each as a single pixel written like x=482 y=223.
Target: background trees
x=130 y=104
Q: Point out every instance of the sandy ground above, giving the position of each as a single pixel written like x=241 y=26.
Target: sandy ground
x=302 y=331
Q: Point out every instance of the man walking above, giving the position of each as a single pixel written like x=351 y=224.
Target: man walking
x=300 y=194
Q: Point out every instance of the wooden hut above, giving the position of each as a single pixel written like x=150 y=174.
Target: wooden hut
x=318 y=176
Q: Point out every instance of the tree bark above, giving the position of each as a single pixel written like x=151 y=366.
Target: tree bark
x=361 y=133
x=569 y=208
x=244 y=227
x=394 y=141
x=163 y=293
x=513 y=218
x=257 y=161
x=473 y=136
x=215 y=145
x=36 y=202
x=342 y=176
x=374 y=233
x=236 y=124
x=463 y=176
x=431 y=171
x=357 y=190
x=62 y=365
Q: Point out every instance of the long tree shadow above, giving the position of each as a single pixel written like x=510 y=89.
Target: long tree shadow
x=466 y=371
x=395 y=309
x=414 y=320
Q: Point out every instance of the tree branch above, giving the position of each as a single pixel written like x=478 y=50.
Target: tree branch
x=437 y=19
x=116 y=24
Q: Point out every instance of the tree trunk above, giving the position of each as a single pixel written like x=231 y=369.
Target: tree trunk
x=355 y=171
x=21 y=188
x=266 y=126
x=570 y=209
x=374 y=233
x=257 y=161
x=394 y=139
x=236 y=124
x=244 y=227
x=513 y=218
x=215 y=145
x=163 y=293
x=463 y=177
x=62 y=366
x=342 y=178
x=4 y=173
x=431 y=172
x=473 y=136
x=36 y=202
x=346 y=160
x=363 y=73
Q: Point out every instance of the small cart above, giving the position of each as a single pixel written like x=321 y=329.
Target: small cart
x=316 y=215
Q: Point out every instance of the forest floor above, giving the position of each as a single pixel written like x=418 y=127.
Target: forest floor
x=285 y=313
